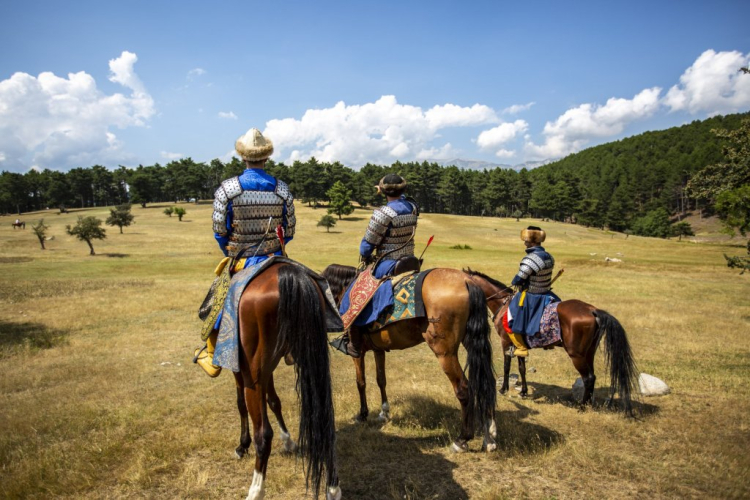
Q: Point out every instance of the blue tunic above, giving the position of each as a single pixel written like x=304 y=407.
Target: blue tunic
x=526 y=319
x=383 y=297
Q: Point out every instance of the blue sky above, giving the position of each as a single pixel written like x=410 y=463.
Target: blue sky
x=137 y=82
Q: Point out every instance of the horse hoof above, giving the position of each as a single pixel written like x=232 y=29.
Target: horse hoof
x=240 y=452
x=459 y=448
x=359 y=418
x=333 y=493
x=290 y=447
x=489 y=447
x=493 y=429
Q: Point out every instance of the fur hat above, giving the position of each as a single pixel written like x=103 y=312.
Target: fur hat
x=392 y=185
x=534 y=235
x=253 y=146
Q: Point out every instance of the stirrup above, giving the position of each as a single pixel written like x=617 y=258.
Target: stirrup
x=198 y=353
x=512 y=351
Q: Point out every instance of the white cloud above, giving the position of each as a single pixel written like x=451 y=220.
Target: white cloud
x=229 y=115
x=171 y=156
x=577 y=126
x=505 y=153
x=379 y=132
x=713 y=84
x=517 y=108
x=442 y=153
x=501 y=134
x=195 y=72
x=67 y=121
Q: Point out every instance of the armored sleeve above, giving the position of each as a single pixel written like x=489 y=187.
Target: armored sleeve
x=282 y=189
x=379 y=224
x=229 y=189
x=530 y=265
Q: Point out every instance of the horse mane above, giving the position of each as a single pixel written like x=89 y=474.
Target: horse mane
x=338 y=277
x=492 y=281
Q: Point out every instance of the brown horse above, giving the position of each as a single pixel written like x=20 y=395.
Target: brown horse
x=456 y=314
x=582 y=327
x=281 y=314
x=20 y=224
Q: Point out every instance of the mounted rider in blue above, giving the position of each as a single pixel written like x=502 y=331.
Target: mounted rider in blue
x=247 y=210
x=389 y=237
x=534 y=282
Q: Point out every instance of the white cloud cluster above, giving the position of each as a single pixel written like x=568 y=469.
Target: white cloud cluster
x=171 y=156
x=383 y=131
x=713 y=84
x=229 y=115
x=503 y=133
x=577 y=126
x=195 y=73
x=517 y=108
x=64 y=122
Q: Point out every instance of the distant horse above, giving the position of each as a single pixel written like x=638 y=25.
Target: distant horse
x=456 y=314
x=20 y=224
x=582 y=327
x=281 y=314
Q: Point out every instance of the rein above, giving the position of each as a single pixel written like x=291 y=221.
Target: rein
x=504 y=301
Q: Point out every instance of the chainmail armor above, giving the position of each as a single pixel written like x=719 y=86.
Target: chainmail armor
x=389 y=231
x=252 y=210
x=538 y=271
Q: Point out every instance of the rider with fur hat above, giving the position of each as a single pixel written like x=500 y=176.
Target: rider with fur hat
x=247 y=210
x=534 y=281
x=390 y=235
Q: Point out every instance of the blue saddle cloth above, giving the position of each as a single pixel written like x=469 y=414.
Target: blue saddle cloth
x=227 y=351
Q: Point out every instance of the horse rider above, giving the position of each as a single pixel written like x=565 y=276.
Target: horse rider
x=247 y=210
x=390 y=234
x=533 y=282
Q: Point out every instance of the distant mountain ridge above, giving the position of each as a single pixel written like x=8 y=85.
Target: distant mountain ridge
x=480 y=164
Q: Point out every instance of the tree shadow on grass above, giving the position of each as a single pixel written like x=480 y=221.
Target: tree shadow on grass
x=331 y=232
x=116 y=255
x=353 y=219
x=553 y=394
x=377 y=465
x=20 y=337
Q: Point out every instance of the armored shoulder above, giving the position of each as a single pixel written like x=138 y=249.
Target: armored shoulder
x=379 y=223
x=282 y=190
x=228 y=190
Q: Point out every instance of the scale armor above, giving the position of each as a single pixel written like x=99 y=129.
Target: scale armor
x=538 y=271
x=251 y=212
x=388 y=231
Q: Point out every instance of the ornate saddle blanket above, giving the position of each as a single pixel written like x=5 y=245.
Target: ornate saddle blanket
x=227 y=353
x=549 y=328
x=361 y=293
x=407 y=301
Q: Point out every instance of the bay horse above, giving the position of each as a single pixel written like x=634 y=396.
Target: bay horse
x=456 y=314
x=582 y=327
x=20 y=224
x=281 y=315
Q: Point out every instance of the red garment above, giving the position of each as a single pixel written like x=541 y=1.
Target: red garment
x=505 y=323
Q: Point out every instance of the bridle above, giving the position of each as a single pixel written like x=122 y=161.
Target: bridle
x=504 y=300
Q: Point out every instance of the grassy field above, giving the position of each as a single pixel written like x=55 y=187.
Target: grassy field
x=100 y=399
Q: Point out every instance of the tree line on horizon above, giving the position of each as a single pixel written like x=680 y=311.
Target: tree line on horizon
x=638 y=184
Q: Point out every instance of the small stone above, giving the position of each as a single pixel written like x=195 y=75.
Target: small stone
x=532 y=370
x=179 y=364
x=165 y=363
x=652 y=386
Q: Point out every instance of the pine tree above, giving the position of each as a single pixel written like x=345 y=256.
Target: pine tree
x=340 y=197
x=327 y=222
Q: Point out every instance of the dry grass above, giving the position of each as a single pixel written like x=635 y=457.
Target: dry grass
x=100 y=399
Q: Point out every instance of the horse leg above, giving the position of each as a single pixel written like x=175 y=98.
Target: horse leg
x=245 y=439
x=359 y=366
x=506 y=373
x=385 y=408
x=263 y=433
x=455 y=374
x=586 y=370
x=275 y=404
x=522 y=372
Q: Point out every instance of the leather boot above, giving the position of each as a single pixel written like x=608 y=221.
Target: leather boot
x=347 y=344
x=205 y=356
x=521 y=350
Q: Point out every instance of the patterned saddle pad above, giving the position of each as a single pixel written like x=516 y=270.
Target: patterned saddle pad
x=549 y=328
x=407 y=301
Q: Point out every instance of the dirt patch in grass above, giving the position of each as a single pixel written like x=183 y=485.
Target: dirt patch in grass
x=19 y=291
x=28 y=337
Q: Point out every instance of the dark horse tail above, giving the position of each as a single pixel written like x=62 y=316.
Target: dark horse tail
x=302 y=331
x=619 y=359
x=479 y=359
